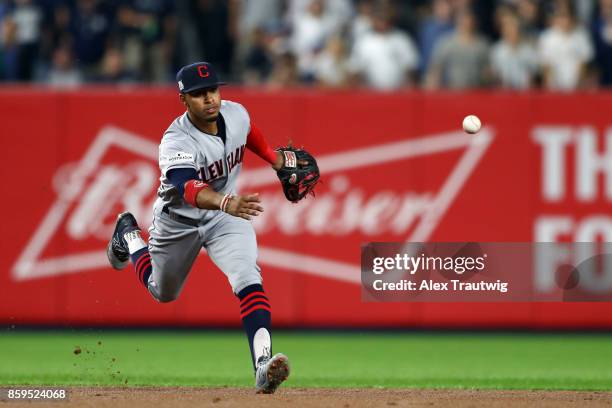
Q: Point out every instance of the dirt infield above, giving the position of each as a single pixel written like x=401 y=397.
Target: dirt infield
x=345 y=398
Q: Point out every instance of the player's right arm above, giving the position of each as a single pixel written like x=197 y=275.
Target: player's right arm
x=245 y=206
x=199 y=194
x=177 y=162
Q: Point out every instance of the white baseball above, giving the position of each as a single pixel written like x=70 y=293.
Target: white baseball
x=471 y=124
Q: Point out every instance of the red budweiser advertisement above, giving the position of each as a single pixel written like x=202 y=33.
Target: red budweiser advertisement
x=395 y=167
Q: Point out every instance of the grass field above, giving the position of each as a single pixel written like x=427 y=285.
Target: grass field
x=197 y=358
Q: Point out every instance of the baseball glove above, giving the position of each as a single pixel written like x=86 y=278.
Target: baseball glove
x=299 y=174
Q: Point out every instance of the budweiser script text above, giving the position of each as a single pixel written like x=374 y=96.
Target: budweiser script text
x=341 y=210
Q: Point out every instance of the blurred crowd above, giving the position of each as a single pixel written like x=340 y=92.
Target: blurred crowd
x=382 y=44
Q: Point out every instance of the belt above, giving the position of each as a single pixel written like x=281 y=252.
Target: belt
x=176 y=217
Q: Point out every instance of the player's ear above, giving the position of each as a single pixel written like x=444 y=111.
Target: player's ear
x=182 y=98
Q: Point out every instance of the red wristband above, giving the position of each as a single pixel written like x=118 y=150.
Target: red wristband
x=192 y=188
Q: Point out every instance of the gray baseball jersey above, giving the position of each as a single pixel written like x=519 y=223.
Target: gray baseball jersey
x=217 y=163
x=230 y=241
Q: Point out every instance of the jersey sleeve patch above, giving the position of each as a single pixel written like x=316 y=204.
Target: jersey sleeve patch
x=177 y=159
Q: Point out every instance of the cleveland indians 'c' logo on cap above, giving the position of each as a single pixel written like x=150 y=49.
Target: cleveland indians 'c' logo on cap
x=203 y=71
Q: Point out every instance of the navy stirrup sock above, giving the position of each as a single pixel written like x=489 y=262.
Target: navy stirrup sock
x=255 y=312
x=141 y=260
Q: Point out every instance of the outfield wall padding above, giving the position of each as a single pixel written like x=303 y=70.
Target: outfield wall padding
x=396 y=167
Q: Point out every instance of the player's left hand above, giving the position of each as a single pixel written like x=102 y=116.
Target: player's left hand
x=246 y=206
x=298 y=173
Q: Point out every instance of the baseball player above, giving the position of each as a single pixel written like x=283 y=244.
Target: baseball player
x=200 y=157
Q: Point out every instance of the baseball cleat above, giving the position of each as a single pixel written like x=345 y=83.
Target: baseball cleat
x=271 y=372
x=117 y=249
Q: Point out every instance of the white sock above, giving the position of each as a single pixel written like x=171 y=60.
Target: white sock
x=134 y=241
x=261 y=343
